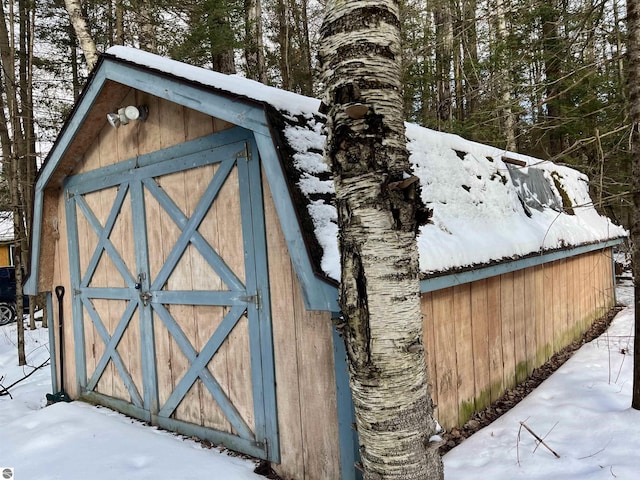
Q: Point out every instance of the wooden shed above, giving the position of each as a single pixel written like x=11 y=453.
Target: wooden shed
x=196 y=245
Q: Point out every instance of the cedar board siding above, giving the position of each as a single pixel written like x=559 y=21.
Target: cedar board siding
x=306 y=391
x=305 y=374
x=484 y=337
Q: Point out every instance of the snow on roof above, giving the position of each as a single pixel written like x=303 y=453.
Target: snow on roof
x=280 y=99
x=483 y=210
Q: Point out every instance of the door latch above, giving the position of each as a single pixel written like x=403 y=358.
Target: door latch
x=144 y=296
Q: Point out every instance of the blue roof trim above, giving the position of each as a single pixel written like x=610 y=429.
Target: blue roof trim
x=318 y=294
x=62 y=143
x=453 y=279
x=239 y=111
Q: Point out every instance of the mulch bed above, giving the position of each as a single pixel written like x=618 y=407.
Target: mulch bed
x=513 y=396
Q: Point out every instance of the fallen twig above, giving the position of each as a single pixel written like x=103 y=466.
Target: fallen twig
x=5 y=391
x=539 y=439
x=546 y=435
x=2 y=387
x=596 y=453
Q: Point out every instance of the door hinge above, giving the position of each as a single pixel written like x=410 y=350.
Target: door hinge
x=245 y=152
x=262 y=445
x=253 y=299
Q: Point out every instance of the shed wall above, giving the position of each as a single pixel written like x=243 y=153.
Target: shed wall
x=305 y=375
x=306 y=399
x=486 y=336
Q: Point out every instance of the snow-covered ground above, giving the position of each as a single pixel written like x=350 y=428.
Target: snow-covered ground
x=582 y=412
x=76 y=441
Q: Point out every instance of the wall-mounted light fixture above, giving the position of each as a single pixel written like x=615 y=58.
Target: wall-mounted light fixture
x=125 y=114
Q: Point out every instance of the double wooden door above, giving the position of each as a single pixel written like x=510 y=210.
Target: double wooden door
x=170 y=291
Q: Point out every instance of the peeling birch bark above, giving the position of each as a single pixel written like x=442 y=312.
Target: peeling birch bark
x=377 y=216
x=81 y=28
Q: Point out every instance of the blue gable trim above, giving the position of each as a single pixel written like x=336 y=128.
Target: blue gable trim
x=203 y=99
x=62 y=143
x=318 y=294
x=347 y=433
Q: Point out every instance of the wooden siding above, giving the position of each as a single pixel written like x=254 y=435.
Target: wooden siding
x=484 y=337
x=302 y=339
x=305 y=375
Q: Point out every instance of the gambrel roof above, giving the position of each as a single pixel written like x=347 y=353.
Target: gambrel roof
x=489 y=206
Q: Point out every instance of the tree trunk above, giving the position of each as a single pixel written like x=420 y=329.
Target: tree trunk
x=254 y=43
x=306 y=80
x=224 y=62
x=12 y=152
x=119 y=23
x=552 y=50
x=471 y=63
x=81 y=28
x=377 y=211
x=633 y=79
x=502 y=81
x=284 y=40
x=25 y=176
x=444 y=53
x=147 y=21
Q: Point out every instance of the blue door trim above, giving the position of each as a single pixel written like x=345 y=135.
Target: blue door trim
x=347 y=433
x=229 y=149
x=255 y=245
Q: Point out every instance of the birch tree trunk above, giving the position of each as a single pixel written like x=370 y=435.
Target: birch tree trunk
x=378 y=204
x=81 y=28
x=633 y=79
